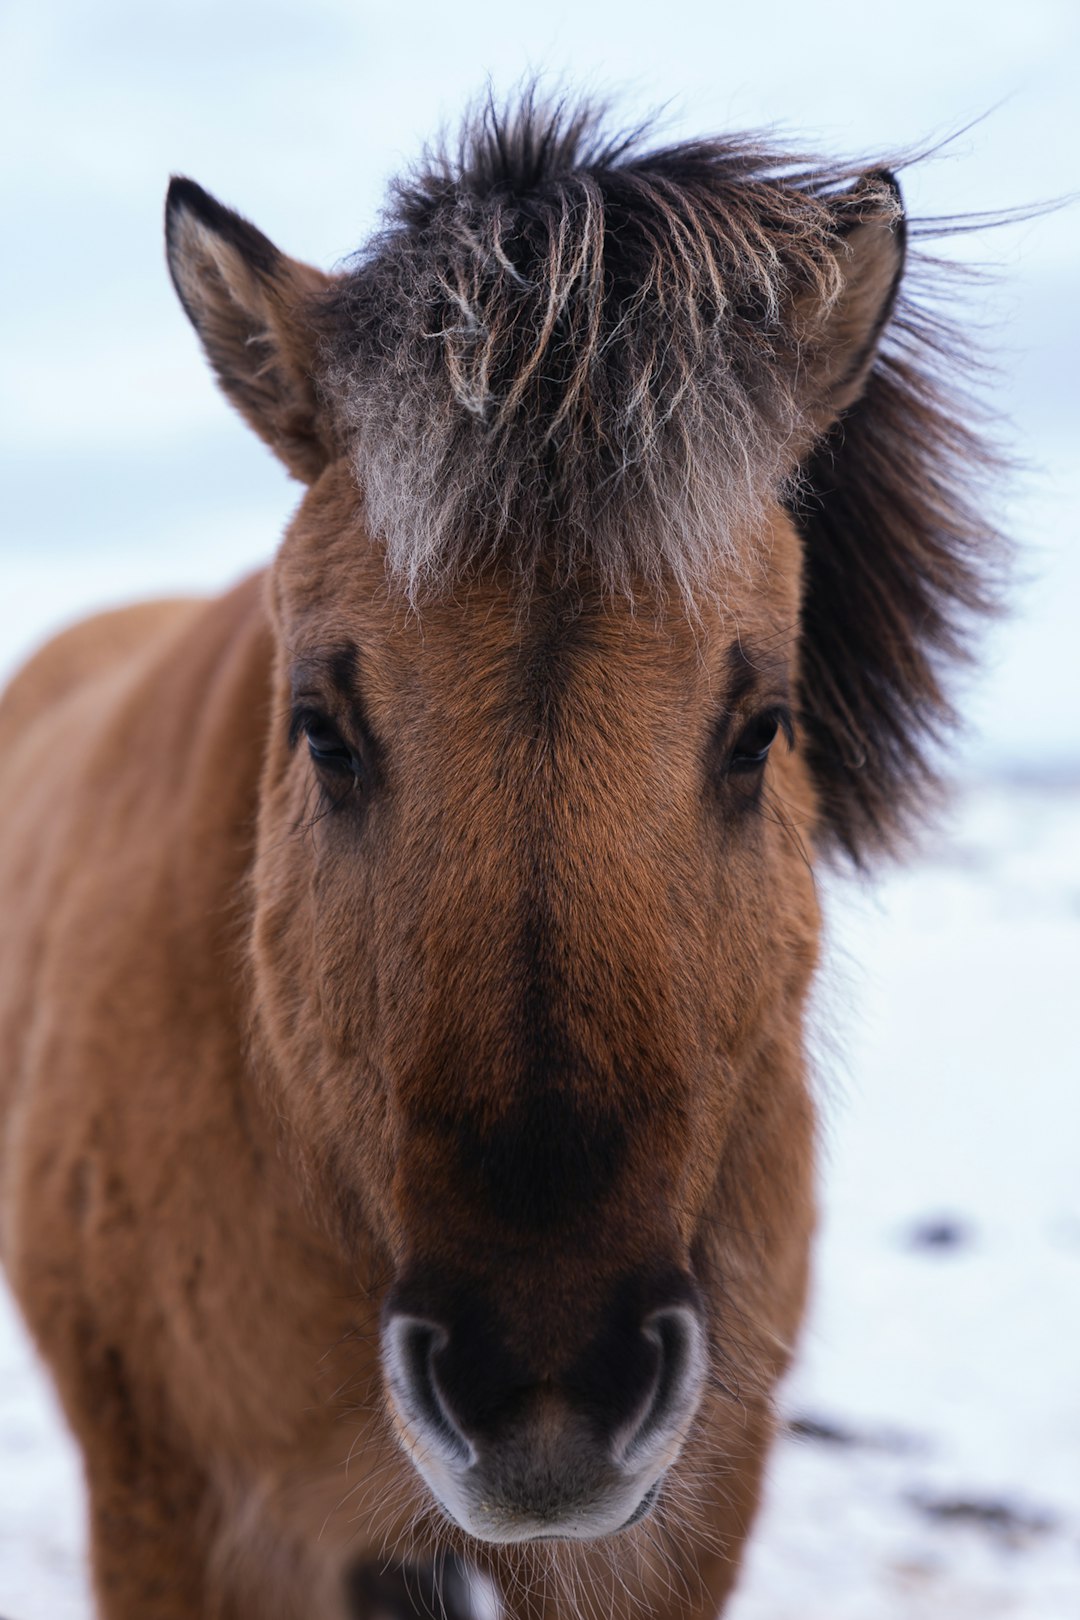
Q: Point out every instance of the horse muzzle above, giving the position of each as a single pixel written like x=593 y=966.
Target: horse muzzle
x=574 y=1457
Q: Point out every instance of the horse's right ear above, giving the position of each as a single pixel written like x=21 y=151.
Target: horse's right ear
x=254 y=310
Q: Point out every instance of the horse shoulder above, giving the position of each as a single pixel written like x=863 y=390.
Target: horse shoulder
x=129 y=768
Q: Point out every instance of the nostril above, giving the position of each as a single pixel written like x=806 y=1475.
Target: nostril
x=676 y=1334
x=410 y=1348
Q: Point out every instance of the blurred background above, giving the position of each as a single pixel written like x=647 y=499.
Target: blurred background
x=931 y=1464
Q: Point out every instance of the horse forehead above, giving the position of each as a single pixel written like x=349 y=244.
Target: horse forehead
x=567 y=662
x=333 y=587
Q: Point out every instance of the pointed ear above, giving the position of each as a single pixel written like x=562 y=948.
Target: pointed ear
x=871 y=239
x=254 y=310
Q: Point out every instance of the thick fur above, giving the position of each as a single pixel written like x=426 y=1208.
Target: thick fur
x=510 y=1014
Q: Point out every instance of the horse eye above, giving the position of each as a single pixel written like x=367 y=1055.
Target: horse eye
x=327 y=747
x=752 y=747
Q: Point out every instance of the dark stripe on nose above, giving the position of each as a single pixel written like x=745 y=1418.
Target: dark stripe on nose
x=555 y=1142
x=557 y=1149
x=545 y=1162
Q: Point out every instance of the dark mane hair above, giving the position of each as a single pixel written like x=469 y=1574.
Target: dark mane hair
x=901 y=562
x=561 y=346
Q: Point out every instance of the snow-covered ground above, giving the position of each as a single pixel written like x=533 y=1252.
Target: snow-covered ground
x=935 y=1471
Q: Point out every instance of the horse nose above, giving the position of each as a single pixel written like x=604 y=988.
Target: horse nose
x=575 y=1453
x=634 y=1393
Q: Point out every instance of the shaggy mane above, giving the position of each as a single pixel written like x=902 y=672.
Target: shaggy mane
x=561 y=343
x=562 y=346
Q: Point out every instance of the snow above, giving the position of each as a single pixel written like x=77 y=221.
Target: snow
x=947 y=1023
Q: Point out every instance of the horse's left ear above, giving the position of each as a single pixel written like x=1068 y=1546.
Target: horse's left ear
x=871 y=242
x=254 y=310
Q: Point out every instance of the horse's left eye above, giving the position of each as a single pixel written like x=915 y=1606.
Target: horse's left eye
x=751 y=749
x=327 y=747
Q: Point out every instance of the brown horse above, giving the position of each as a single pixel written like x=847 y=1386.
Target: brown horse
x=408 y=1150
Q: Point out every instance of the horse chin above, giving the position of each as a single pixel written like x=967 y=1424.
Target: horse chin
x=489 y=1515
x=595 y=1521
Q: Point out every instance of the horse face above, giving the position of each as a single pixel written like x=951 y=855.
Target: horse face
x=534 y=928
x=534 y=919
